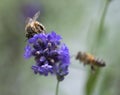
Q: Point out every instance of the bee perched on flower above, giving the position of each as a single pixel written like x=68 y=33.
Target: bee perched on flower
x=33 y=27
x=51 y=56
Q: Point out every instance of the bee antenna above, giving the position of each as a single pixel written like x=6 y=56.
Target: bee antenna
x=72 y=56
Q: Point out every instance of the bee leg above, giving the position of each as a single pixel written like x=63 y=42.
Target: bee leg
x=85 y=63
x=93 y=68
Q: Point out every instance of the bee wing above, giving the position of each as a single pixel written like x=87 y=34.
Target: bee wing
x=36 y=16
x=28 y=20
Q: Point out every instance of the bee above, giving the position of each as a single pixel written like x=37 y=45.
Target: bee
x=33 y=27
x=89 y=59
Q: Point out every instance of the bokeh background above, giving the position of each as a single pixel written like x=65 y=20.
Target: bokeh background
x=84 y=26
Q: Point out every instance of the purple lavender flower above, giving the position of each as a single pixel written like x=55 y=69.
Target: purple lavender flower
x=51 y=56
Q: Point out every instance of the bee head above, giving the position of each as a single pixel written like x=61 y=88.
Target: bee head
x=79 y=55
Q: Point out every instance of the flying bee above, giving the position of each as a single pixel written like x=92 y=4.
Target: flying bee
x=33 y=27
x=89 y=59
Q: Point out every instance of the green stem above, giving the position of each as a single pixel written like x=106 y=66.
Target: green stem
x=102 y=19
x=104 y=14
x=57 y=87
x=92 y=79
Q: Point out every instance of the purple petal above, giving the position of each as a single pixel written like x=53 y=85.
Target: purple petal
x=28 y=52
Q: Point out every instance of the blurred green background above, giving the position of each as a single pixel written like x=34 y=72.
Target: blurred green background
x=78 y=21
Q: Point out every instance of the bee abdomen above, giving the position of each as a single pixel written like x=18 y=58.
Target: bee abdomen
x=39 y=29
x=99 y=63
